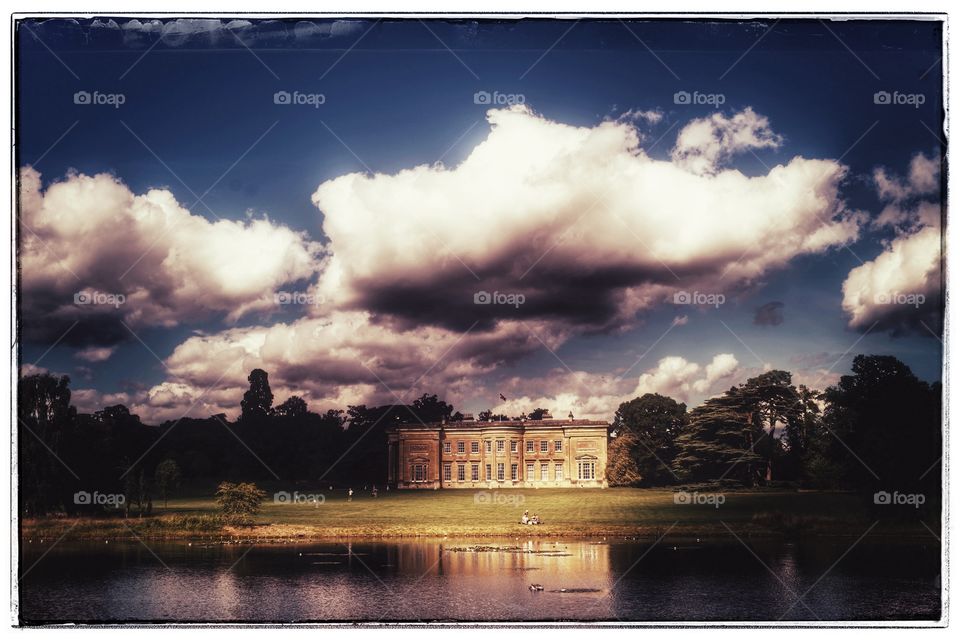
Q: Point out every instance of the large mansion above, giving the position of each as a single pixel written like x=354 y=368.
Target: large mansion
x=528 y=453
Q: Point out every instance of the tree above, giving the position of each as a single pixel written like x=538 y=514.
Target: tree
x=772 y=402
x=167 y=477
x=883 y=426
x=740 y=429
x=429 y=409
x=239 y=502
x=718 y=443
x=537 y=414
x=649 y=426
x=45 y=421
x=258 y=399
x=801 y=427
x=622 y=453
x=292 y=407
x=137 y=491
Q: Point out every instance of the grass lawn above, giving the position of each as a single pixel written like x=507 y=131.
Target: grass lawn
x=564 y=512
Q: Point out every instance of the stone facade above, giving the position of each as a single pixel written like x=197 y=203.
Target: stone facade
x=490 y=455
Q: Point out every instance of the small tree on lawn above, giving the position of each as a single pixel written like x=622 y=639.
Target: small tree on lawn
x=239 y=502
x=167 y=477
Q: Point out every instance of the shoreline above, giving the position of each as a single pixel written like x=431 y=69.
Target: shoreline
x=91 y=529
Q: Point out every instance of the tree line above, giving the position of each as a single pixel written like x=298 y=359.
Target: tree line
x=111 y=451
x=876 y=429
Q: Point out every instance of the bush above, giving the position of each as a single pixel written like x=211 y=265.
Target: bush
x=239 y=502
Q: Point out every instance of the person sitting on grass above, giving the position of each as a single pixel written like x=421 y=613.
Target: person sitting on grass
x=526 y=518
x=535 y=519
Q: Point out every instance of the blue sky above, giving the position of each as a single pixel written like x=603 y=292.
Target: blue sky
x=199 y=114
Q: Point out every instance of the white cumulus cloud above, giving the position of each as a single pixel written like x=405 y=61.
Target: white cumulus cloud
x=899 y=290
x=142 y=259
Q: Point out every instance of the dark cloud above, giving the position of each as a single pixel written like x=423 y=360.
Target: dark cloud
x=769 y=315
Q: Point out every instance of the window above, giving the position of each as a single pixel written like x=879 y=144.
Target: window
x=487 y=446
x=544 y=471
x=474 y=472
x=513 y=471
x=530 y=444
x=513 y=446
x=446 y=472
x=474 y=447
x=558 y=445
x=489 y=475
x=419 y=473
x=446 y=447
x=461 y=473
x=558 y=471
x=586 y=470
x=544 y=445
x=461 y=447
x=529 y=471
x=500 y=471
x=500 y=446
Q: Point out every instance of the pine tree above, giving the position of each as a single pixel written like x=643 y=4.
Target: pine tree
x=717 y=443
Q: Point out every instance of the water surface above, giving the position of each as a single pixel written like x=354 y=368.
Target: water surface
x=481 y=580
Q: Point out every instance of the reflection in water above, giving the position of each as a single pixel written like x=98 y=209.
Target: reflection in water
x=481 y=580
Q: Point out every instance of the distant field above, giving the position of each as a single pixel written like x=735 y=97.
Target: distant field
x=564 y=512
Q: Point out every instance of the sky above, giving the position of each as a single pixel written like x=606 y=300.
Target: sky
x=563 y=213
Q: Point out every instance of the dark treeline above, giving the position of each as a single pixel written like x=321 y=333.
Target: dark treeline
x=878 y=429
x=62 y=452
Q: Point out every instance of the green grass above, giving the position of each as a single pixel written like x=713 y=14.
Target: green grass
x=564 y=512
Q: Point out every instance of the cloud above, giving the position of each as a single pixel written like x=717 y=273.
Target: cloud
x=923 y=178
x=900 y=290
x=95 y=253
x=90 y=400
x=649 y=116
x=769 y=314
x=580 y=221
x=578 y=226
x=705 y=144
x=341 y=359
x=85 y=373
x=597 y=396
x=179 y=33
x=680 y=379
x=28 y=369
x=95 y=354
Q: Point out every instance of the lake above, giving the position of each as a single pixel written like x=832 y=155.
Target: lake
x=481 y=580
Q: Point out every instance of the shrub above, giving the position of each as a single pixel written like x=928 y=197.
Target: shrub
x=239 y=502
